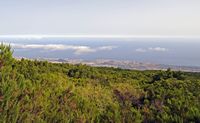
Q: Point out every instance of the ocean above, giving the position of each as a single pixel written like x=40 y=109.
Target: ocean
x=169 y=51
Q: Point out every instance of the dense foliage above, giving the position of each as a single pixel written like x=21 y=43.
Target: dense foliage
x=38 y=91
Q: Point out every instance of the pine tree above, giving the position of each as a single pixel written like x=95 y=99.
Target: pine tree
x=9 y=108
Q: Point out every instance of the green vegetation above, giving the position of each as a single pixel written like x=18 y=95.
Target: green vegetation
x=37 y=91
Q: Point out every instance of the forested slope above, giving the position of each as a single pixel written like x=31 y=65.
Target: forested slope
x=36 y=91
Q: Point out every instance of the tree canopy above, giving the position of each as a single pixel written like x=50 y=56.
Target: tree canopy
x=39 y=91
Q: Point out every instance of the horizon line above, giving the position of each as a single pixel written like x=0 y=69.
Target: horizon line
x=40 y=36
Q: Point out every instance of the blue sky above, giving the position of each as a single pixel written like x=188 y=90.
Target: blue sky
x=100 y=17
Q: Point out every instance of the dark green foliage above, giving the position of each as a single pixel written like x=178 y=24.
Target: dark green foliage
x=37 y=91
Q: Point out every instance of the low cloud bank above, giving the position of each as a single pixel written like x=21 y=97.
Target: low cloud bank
x=78 y=49
x=154 y=49
x=159 y=49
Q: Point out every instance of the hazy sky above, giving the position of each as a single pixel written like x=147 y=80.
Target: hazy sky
x=100 y=17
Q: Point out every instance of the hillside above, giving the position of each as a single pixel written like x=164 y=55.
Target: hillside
x=40 y=91
x=123 y=64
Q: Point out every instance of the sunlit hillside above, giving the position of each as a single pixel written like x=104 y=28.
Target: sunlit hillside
x=36 y=91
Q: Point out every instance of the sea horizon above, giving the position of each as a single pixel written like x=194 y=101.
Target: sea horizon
x=177 y=51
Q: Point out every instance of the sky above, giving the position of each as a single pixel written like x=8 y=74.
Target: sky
x=100 y=17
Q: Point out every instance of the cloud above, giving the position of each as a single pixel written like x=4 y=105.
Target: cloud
x=29 y=37
x=78 y=49
x=107 y=47
x=140 y=50
x=155 y=49
x=158 y=49
x=83 y=49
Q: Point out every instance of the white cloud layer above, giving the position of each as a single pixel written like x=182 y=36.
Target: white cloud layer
x=154 y=49
x=31 y=37
x=107 y=47
x=140 y=50
x=78 y=49
x=159 y=49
